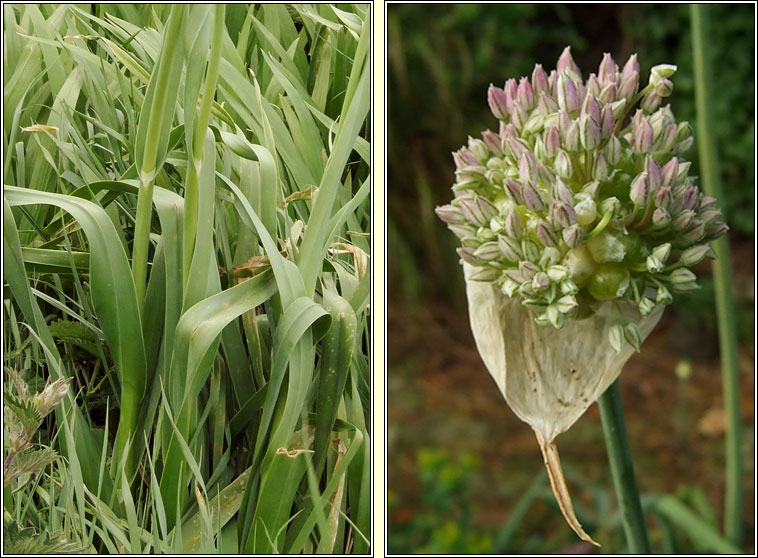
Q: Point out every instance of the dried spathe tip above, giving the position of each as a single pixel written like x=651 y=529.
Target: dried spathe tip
x=560 y=489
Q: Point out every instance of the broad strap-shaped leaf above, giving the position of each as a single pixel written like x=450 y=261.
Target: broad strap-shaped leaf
x=113 y=297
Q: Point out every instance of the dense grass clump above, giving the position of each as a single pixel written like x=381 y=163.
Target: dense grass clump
x=186 y=238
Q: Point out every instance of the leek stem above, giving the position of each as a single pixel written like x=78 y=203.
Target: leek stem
x=622 y=469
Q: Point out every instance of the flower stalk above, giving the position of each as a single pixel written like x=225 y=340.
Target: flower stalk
x=622 y=469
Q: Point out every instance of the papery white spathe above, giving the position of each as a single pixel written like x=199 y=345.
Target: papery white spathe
x=548 y=377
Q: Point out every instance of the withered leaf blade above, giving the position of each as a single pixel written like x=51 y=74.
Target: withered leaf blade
x=39 y=128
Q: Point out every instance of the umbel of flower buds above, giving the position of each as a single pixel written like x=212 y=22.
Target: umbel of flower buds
x=577 y=214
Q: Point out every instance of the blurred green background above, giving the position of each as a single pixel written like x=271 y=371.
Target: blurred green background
x=460 y=465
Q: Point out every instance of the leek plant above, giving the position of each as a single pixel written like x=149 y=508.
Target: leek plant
x=577 y=220
x=187 y=237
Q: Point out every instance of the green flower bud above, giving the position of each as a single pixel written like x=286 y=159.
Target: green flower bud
x=695 y=254
x=566 y=304
x=554 y=316
x=646 y=306
x=683 y=280
x=663 y=71
x=606 y=247
x=616 y=337
x=610 y=281
x=550 y=256
x=580 y=264
x=586 y=212
x=509 y=287
x=558 y=273
x=632 y=335
x=663 y=297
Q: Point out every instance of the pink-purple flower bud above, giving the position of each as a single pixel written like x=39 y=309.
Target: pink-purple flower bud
x=562 y=214
x=589 y=132
x=592 y=107
x=661 y=217
x=695 y=255
x=706 y=202
x=639 y=191
x=709 y=215
x=509 y=248
x=568 y=98
x=546 y=234
x=539 y=80
x=566 y=62
x=631 y=68
x=450 y=214
x=467 y=255
x=573 y=236
x=564 y=123
x=663 y=197
x=643 y=136
x=513 y=226
x=608 y=93
x=667 y=138
x=563 y=165
x=562 y=192
x=683 y=219
x=525 y=94
x=715 y=229
x=600 y=170
x=606 y=122
x=664 y=87
x=546 y=104
x=552 y=142
x=572 y=141
x=528 y=270
x=515 y=190
x=695 y=233
x=606 y=74
x=593 y=85
x=654 y=173
x=613 y=150
x=493 y=142
x=498 y=101
x=465 y=158
x=540 y=281
x=628 y=88
x=650 y=102
x=511 y=89
x=618 y=108
x=533 y=197
x=527 y=167
x=518 y=115
x=488 y=251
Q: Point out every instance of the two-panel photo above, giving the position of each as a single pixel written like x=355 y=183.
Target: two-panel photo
x=379 y=279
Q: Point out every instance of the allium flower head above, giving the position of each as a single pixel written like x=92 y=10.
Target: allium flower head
x=577 y=215
x=624 y=189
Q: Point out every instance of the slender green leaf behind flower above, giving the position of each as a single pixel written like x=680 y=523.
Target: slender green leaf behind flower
x=578 y=214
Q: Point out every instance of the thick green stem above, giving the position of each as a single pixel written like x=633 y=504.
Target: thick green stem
x=191 y=194
x=150 y=149
x=721 y=274
x=622 y=470
x=142 y=240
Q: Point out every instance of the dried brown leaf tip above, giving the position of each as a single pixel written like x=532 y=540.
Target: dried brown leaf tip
x=39 y=128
